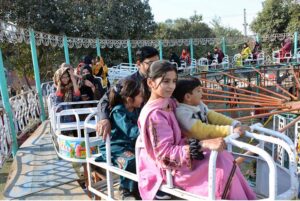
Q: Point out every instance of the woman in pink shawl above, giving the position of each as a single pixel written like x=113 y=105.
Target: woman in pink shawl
x=285 y=49
x=165 y=147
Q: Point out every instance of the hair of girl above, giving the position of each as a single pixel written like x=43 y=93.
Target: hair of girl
x=159 y=69
x=184 y=86
x=128 y=88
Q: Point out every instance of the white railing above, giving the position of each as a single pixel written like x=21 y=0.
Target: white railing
x=68 y=147
x=47 y=89
x=269 y=174
x=26 y=111
x=5 y=138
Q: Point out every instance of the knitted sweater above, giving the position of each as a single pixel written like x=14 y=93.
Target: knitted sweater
x=201 y=123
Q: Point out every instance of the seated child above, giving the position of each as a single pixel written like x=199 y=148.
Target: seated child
x=164 y=147
x=194 y=117
x=125 y=99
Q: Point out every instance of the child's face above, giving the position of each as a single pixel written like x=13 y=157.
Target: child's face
x=164 y=88
x=65 y=78
x=196 y=96
x=138 y=100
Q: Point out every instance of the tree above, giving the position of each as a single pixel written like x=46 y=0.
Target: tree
x=181 y=29
x=274 y=17
x=277 y=16
x=221 y=31
x=107 y=19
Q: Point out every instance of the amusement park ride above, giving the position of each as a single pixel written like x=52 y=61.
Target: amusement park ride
x=249 y=94
x=251 y=91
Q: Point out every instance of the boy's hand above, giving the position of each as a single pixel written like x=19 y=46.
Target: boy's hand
x=241 y=130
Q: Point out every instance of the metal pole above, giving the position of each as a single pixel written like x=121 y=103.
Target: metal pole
x=257 y=38
x=36 y=73
x=98 y=47
x=192 y=49
x=160 y=50
x=295 y=44
x=129 y=52
x=192 y=55
x=66 y=49
x=223 y=45
x=6 y=104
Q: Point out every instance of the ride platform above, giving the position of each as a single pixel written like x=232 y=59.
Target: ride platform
x=37 y=172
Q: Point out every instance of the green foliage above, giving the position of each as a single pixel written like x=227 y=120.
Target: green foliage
x=277 y=16
x=221 y=31
x=184 y=28
x=107 y=19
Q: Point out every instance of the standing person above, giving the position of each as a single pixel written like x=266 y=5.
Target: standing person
x=125 y=100
x=166 y=148
x=218 y=54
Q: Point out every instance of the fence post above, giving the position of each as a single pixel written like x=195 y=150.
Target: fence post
x=129 y=52
x=295 y=44
x=257 y=38
x=160 y=50
x=98 y=47
x=6 y=105
x=37 y=73
x=66 y=49
x=223 y=45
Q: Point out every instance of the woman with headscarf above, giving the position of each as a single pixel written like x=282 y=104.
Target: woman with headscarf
x=67 y=89
x=286 y=48
x=246 y=51
x=185 y=56
x=88 y=80
x=256 y=50
x=101 y=70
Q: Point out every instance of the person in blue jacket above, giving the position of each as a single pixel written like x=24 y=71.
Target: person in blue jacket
x=125 y=101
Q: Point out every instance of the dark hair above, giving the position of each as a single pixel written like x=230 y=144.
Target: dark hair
x=88 y=68
x=127 y=88
x=184 y=86
x=246 y=44
x=88 y=59
x=160 y=69
x=146 y=52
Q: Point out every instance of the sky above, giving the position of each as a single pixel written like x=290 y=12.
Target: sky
x=230 y=11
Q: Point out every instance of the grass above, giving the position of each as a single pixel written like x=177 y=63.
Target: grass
x=4 y=172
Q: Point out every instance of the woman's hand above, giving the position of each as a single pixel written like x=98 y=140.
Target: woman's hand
x=89 y=84
x=216 y=144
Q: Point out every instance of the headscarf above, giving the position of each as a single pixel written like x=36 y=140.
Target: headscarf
x=101 y=70
x=88 y=68
x=66 y=90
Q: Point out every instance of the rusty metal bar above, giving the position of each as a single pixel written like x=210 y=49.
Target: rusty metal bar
x=277 y=85
x=242 y=95
x=244 y=90
x=266 y=114
x=261 y=88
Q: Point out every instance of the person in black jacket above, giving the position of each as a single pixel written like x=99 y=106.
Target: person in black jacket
x=145 y=57
x=175 y=58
